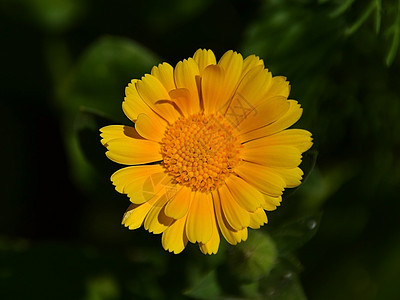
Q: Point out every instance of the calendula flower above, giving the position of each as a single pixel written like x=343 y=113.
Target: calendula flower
x=209 y=151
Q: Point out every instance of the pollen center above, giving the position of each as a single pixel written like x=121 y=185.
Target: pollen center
x=200 y=151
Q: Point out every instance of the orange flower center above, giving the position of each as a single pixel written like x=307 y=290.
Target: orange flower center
x=200 y=151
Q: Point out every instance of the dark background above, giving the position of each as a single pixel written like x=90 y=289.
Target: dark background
x=60 y=231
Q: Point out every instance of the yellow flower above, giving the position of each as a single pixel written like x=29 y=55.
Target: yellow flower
x=210 y=151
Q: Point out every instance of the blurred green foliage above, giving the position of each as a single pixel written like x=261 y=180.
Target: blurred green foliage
x=65 y=67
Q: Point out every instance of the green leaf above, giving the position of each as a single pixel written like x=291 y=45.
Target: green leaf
x=250 y=290
x=87 y=124
x=294 y=234
x=378 y=15
x=253 y=258
x=98 y=81
x=102 y=287
x=102 y=73
x=395 y=30
x=342 y=8
x=206 y=287
x=360 y=21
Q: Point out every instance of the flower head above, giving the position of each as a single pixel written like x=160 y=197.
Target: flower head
x=210 y=151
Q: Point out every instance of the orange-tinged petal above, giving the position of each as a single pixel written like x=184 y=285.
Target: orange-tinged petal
x=181 y=97
x=237 y=217
x=244 y=193
x=199 y=224
x=261 y=177
x=187 y=76
x=288 y=119
x=151 y=128
x=258 y=218
x=232 y=237
x=156 y=221
x=178 y=206
x=174 y=238
x=281 y=156
x=154 y=94
x=211 y=247
x=212 y=88
x=165 y=74
x=204 y=58
x=130 y=151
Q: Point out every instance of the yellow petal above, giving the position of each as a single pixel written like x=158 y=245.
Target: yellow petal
x=187 y=76
x=165 y=74
x=251 y=62
x=134 y=216
x=211 y=247
x=179 y=204
x=125 y=176
x=254 y=85
x=273 y=156
x=258 y=218
x=261 y=177
x=142 y=186
x=270 y=203
x=288 y=119
x=174 y=238
x=154 y=94
x=237 y=217
x=150 y=128
x=112 y=132
x=269 y=206
x=232 y=64
x=204 y=58
x=244 y=234
x=264 y=114
x=199 y=225
x=133 y=104
x=279 y=87
x=212 y=88
x=130 y=151
x=244 y=193
x=232 y=237
x=156 y=221
x=292 y=177
x=299 y=138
